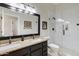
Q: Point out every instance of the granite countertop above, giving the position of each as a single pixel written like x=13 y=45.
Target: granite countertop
x=20 y=44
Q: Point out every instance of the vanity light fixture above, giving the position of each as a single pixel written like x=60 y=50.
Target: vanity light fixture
x=21 y=7
x=27 y=9
x=34 y=10
x=20 y=10
x=13 y=8
x=31 y=12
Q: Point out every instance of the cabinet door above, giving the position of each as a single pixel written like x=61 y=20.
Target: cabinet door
x=35 y=47
x=20 y=52
x=44 y=48
x=36 y=50
x=37 y=53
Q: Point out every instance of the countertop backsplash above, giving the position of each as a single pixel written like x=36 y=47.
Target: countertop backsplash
x=17 y=39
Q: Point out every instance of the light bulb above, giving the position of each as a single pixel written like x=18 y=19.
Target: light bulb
x=13 y=8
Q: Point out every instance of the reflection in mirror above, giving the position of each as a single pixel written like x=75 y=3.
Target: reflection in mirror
x=15 y=23
x=18 y=25
x=10 y=25
x=27 y=24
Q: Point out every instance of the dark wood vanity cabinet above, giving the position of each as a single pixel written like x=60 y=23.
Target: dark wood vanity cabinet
x=21 y=52
x=39 y=49
x=36 y=50
x=44 y=49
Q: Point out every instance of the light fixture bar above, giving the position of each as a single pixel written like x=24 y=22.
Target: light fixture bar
x=21 y=7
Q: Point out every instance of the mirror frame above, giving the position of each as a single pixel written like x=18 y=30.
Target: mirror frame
x=20 y=36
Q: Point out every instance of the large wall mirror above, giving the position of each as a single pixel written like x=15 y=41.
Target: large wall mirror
x=14 y=23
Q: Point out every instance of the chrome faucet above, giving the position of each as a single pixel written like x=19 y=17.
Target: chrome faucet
x=22 y=39
x=33 y=36
x=10 y=40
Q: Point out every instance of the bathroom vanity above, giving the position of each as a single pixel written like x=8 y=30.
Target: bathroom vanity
x=31 y=47
x=18 y=25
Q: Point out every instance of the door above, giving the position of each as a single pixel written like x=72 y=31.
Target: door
x=7 y=25
x=10 y=25
x=14 y=26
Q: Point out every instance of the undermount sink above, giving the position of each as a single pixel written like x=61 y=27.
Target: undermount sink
x=11 y=46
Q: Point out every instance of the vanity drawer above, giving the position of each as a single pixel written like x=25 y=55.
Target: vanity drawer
x=35 y=47
x=21 y=52
x=37 y=53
